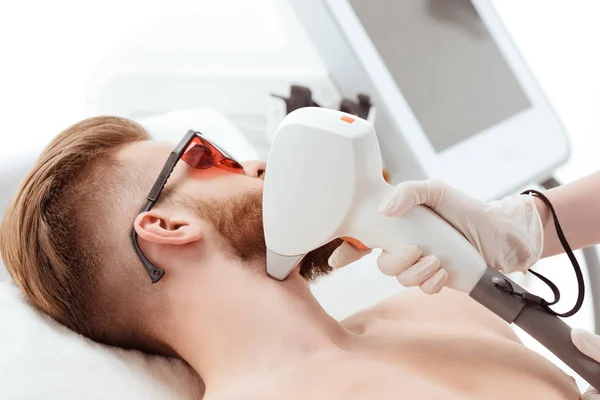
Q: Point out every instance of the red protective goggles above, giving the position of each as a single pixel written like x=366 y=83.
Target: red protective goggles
x=202 y=154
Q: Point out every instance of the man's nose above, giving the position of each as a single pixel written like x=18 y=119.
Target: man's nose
x=255 y=168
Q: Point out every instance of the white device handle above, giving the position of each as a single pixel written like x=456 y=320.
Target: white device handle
x=466 y=271
x=419 y=226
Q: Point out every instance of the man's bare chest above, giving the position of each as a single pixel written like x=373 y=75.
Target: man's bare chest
x=356 y=378
x=417 y=361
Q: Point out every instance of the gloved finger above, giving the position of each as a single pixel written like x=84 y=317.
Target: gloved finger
x=346 y=254
x=434 y=284
x=587 y=343
x=411 y=193
x=394 y=263
x=591 y=394
x=420 y=271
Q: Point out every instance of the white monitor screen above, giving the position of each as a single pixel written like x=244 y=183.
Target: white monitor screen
x=445 y=63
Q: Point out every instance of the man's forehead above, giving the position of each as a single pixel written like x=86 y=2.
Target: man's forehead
x=146 y=152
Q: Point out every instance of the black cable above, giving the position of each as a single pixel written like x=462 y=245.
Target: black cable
x=590 y=255
x=580 y=282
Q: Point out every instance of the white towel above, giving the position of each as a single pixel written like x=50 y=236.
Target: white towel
x=41 y=359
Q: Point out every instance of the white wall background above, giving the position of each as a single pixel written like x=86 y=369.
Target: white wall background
x=49 y=49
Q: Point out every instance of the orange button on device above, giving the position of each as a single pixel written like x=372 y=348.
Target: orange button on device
x=347 y=119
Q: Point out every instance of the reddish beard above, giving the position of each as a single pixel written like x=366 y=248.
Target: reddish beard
x=239 y=221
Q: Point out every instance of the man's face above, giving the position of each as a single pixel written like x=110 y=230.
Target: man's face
x=230 y=202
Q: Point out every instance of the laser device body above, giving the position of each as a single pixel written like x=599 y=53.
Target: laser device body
x=324 y=181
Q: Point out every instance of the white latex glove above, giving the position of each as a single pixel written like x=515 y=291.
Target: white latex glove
x=508 y=233
x=588 y=344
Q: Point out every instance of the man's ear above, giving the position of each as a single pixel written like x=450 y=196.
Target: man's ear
x=157 y=226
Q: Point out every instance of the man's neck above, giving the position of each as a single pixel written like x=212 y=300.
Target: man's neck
x=258 y=326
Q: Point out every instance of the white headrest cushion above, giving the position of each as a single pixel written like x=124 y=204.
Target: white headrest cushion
x=41 y=359
x=212 y=124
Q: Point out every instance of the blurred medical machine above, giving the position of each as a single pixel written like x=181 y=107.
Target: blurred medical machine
x=454 y=99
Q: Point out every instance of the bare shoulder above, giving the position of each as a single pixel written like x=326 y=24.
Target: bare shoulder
x=409 y=303
x=448 y=307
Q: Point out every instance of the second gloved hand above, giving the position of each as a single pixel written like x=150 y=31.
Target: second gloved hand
x=508 y=233
x=588 y=344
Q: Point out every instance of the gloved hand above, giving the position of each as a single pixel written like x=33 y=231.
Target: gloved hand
x=588 y=344
x=508 y=233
